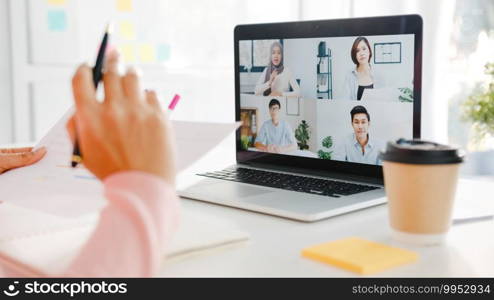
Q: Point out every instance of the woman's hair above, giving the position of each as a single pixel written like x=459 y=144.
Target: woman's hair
x=354 y=49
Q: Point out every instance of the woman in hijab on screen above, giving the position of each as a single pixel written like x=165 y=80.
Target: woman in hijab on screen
x=276 y=79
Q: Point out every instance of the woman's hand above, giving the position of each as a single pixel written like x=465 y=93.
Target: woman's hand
x=272 y=77
x=275 y=94
x=128 y=131
x=19 y=157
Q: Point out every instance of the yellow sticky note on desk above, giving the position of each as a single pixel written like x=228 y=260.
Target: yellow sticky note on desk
x=359 y=255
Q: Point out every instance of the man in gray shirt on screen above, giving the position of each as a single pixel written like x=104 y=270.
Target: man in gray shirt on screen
x=359 y=147
x=275 y=136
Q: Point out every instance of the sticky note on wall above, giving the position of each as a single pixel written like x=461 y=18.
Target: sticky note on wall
x=57 y=20
x=124 y=5
x=56 y=2
x=128 y=53
x=359 y=255
x=127 y=30
x=147 y=53
x=163 y=52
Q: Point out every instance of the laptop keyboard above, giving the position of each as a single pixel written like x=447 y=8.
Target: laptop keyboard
x=291 y=182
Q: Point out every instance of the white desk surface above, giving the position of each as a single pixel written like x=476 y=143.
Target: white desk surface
x=276 y=243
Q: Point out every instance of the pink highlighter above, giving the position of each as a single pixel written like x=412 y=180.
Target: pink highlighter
x=173 y=103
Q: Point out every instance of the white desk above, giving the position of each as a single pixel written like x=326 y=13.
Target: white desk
x=275 y=244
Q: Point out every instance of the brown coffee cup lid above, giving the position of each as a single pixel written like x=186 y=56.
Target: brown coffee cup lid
x=421 y=152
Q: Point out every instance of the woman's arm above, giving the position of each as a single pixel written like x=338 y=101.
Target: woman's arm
x=133 y=230
x=127 y=142
x=131 y=236
x=261 y=86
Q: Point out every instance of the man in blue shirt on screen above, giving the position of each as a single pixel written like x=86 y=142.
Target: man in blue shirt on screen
x=359 y=147
x=275 y=136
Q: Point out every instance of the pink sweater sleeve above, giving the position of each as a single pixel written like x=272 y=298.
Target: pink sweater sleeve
x=133 y=229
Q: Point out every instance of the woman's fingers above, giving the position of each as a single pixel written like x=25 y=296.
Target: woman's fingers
x=111 y=78
x=83 y=88
x=70 y=126
x=131 y=86
x=16 y=150
x=152 y=100
x=15 y=160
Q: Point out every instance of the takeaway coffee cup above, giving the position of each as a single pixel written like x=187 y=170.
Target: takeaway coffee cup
x=420 y=179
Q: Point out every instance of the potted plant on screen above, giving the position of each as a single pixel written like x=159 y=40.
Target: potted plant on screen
x=479 y=110
x=327 y=143
x=302 y=134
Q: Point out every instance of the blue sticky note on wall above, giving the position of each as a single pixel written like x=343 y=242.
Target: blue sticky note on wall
x=163 y=52
x=57 y=20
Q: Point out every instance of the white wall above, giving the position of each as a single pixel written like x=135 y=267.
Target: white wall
x=200 y=68
x=5 y=76
x=301 y=59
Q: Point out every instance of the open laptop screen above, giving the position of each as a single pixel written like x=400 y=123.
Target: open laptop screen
x=335 y=97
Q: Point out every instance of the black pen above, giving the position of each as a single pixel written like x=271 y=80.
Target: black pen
x=97 y=76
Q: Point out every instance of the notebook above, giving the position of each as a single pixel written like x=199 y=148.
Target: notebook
x=49 y=243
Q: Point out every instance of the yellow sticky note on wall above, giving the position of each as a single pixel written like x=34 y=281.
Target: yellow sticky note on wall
x=127 y=30
x=359 y=255
x=56 y=2
x=147 y=53
x=124 y=5
x=128 y=53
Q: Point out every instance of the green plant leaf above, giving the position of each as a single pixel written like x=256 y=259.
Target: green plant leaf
x=479 y=107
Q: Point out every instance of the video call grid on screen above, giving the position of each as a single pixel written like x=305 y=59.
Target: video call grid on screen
x=336 y=98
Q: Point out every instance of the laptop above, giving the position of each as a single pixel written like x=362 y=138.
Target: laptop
x=308 y=148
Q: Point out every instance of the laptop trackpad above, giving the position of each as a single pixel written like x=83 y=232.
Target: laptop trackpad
x=228 y=190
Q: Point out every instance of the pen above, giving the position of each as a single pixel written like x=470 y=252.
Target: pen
x=97 y=76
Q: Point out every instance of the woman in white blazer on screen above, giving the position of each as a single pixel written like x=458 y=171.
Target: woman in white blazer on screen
x=362 y=76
